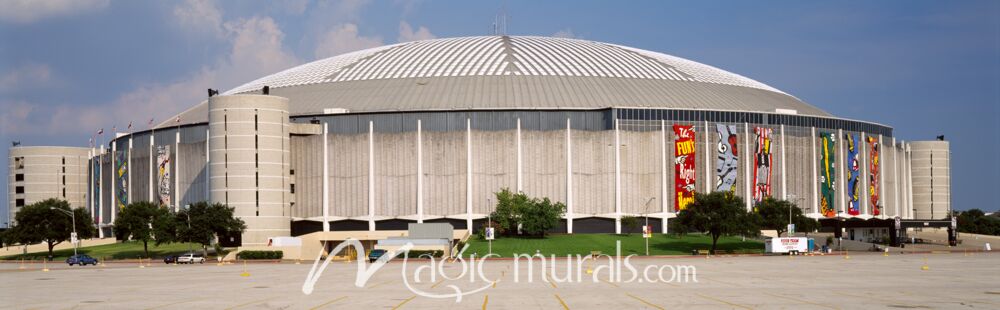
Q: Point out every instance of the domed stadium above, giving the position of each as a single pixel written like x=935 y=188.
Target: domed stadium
x=428 y=131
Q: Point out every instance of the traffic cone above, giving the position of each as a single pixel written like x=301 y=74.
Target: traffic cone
x=45 y=265
x=847 y=254
x=925 y=266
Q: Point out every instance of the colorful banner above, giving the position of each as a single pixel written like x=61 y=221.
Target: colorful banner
x=684 y=173
x=827 y=179
x=121 y=192
x=163 y=174
x=873 y=171
x=762 y=164
x=853 y=170
x=727 y=164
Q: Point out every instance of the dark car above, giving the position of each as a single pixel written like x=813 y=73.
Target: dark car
x=81 y=259
x=375 y=254
x=170 y=259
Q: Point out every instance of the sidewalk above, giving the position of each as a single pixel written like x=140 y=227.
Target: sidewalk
x=43 y=247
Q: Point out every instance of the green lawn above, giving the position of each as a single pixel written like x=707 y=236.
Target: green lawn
x=126 y=250
x=583 y=244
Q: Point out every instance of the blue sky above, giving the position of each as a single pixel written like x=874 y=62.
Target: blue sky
x=924 y=67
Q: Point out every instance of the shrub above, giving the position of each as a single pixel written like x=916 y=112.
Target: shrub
x=260 y=255
x=421 y=253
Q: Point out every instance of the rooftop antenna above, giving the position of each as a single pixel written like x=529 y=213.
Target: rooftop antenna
x=500 y=22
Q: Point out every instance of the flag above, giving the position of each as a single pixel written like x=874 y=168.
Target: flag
x=150 y=122
x=114 y=129
x=92 y=141
x=129 y=125
x=178 y=120
x=100 y=131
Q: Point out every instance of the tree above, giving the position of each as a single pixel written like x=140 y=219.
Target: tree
x=535 y=216
x=540 y=216
x=202 y=223
x=630 y=223
x=47 y=221
x=774 y=215
x=719 y=213
x=144 y=221
x=975 y=221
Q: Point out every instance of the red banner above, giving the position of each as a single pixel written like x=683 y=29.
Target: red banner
x=873 y=175
x=684 y=173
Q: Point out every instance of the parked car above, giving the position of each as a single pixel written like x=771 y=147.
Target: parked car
x=190 y=258
x=170 y=259
x=81 y=259
x=375 y=254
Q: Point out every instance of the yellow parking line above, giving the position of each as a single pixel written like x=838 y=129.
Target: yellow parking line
x=802 y=301
x=561 y=302
x=438 y=283
x=380 y=283
x=175 y=303
x=553 y=284
x=486 y=300
x=328 y=303
x=404 y=302
x=645 y=302
x=252 y=302
x=609 y=283
x=722 y=301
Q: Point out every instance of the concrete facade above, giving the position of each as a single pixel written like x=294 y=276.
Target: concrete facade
x=41 y=172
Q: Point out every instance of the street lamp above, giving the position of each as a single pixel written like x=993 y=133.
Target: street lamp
x=72 y=216
x=645 y=211
x=489 y=224
x=187 y=212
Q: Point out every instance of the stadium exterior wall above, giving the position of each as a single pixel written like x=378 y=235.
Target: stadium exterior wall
x=436 y=166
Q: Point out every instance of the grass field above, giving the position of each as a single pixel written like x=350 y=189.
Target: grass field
x=562 y=245
x=126 y=250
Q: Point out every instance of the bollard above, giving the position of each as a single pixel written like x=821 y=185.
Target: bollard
x=886 y=253
x=245 y=273
x=45 y=265
x=22 y=264
x=140 y=263
x=925 y=266
x=847 y=254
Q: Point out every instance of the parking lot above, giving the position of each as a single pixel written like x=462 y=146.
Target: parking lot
x=828 y=282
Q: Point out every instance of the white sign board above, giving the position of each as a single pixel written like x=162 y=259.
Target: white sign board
x=647 y=231
x=791 y=229
x=72 y=238
x=489 y=233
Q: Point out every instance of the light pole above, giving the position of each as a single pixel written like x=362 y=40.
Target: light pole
x=645 y=226
x=72 y=216
x=187 y=211
x=489 y=224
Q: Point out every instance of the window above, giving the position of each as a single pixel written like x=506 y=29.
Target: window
x=64 y=192
x=19 y=190
x=19 y=177
x=292 y=188
x=291 y=172
x=19 y=162
x=19 y=203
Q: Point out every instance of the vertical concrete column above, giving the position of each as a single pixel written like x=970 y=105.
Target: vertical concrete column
x=468 y=174
x=708 y=159
x=895 y=178
x=371 y=176
x=177 y=169
x=863 y=174
x=519 y=161
x=129 y=194
x=747 y=176
x=90 y=184
x=841 y=162
x=663 y=177
x=251 y=136
x=909 y=181
x=100 y=192
x=784 y=163
x=114 y=181
x=420 y=176
x=881 y=175
x=815 y=171
x=326 y=177
x=569 y=177
x=152 y=171
x=618 y=180
x=208 y=163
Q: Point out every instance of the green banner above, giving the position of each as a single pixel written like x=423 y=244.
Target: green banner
x=827 y=179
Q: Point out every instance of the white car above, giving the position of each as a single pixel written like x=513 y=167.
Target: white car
x=190 y=258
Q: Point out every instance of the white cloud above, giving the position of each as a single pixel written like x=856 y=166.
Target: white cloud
x=29 y=11
x=342 y=39
x=407 y=34
x=25 y=76
x=566 y=33
x=256 y=50
x=199 y=16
